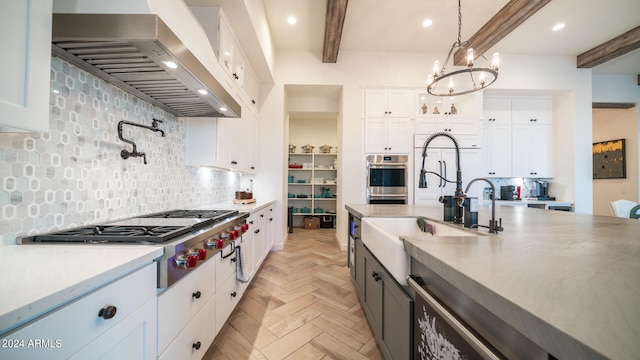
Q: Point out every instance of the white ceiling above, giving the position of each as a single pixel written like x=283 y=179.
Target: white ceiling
x=386 y=25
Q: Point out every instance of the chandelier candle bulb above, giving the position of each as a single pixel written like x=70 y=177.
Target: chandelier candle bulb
x=470 y=57
x=436 y=68
x=496 y=61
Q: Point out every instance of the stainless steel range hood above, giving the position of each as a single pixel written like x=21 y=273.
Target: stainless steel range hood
x=141 y=55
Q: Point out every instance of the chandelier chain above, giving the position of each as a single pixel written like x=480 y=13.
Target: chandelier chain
x=459 y=23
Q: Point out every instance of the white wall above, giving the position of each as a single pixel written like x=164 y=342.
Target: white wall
x=618 y=88
x=356 y=70
x=611 y=124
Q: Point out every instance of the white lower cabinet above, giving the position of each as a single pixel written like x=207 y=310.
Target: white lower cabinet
x=130 y=339
x=194 y=340
x=179 y=304
x=115 y=319
x=228 y=289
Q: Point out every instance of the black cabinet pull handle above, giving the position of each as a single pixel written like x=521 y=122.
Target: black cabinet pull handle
x=375 y=276
x=256 y=231
x=270 y=219
x=196 y=345
x=234 y=162
x=261 y=215
x=233 y=294
x=233 y=259
x=107 y=312
x=251 y=222
x=196 y=295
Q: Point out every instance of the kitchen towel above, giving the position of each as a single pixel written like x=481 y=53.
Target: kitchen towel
x=241 y=267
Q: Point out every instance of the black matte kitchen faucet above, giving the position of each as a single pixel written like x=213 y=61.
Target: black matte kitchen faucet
x=459 y=194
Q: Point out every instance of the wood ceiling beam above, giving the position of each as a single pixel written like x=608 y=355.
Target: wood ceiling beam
x=514 y=13
x=610 y=105
x=334 y=21
x=613 y=48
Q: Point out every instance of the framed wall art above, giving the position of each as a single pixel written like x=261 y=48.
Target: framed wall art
x=609 y=160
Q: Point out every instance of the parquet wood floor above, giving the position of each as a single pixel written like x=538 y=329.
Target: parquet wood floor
x=300 y=305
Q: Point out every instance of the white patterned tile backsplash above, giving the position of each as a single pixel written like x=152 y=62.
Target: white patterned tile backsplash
x=74 y=174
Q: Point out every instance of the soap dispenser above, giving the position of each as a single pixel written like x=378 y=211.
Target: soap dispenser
x=470 y=212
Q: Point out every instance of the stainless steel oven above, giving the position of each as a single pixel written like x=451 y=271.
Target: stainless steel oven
x=387 y=178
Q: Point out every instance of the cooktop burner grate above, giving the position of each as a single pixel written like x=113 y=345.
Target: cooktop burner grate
x=208 y=216
x=116 y=233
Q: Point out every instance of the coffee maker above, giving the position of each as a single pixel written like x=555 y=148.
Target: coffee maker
x=542 y=189
x=508 y=192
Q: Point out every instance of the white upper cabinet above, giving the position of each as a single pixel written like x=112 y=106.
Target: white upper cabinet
x=496 y=137
x=391 y=136
x=518 y=137
x=387 y=120
x=531 y=110
x=388 y=103
x=26 y=42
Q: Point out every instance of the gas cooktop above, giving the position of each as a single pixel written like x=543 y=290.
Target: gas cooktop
x=153 y=228
x=115 y=233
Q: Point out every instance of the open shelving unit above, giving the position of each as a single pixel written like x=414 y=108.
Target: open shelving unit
x=317 y=181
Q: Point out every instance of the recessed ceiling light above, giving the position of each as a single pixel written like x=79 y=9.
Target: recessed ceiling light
x=203 y=91
x=557 y=27
x=427 y=23
x=223 y=109
x=171 y=64
x=292 y=20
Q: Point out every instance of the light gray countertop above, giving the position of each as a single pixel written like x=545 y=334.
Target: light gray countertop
x=569 y=282
x=36 y=279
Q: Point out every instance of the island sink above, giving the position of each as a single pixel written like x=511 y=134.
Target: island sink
x=381 y=235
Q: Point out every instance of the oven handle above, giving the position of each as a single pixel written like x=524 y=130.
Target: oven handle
x=460 y=328
x=387 y=195
x=440 y=177
x=233 y=250
x=388 y=165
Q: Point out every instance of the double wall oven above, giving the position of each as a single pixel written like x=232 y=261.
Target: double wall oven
x=387 y=179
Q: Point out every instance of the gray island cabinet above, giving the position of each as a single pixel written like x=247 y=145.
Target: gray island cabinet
x=558 y=284
x=387 y=306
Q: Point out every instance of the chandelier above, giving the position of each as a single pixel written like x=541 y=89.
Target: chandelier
x=465 y=80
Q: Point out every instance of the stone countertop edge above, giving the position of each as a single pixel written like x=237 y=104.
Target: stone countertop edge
x=229 y=205
x=547 y=336
x=38 y=279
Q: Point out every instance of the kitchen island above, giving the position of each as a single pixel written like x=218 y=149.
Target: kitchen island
x=568 y=282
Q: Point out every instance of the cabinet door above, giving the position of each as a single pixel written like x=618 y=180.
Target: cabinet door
x=133 y=338
x=372 y=293
x=542 y=159
x=226 y=46
x=26 y=42
x=399 y=103
x=531 y=110
x=189 y=295
x=398 y=135
x=375 y=103
x=470 y=163
x=194 y=340
x=258 y=253
x=202 y=142
x=496 y=149
x=532 y=151
x=397 y=320
x=225 y=134
x=360 y=268
x=497 y=110
x=375 y=140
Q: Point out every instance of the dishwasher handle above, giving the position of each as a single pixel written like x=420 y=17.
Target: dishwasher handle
x=468 y=336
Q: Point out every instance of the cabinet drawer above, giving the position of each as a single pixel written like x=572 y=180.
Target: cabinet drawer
x=134 y=338
x=188 y=295
x=225 y=266
x=227 y=298
x=200 y=330
x=76 y=324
